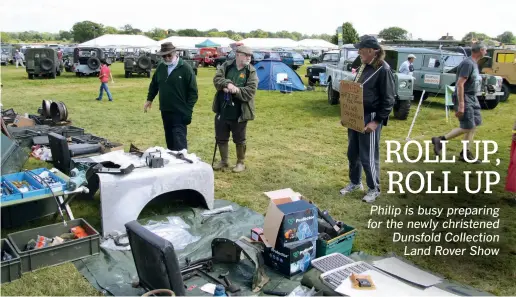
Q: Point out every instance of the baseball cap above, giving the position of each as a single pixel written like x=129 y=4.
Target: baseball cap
x=367 y=41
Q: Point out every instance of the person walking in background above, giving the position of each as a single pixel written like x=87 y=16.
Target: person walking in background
x=105 y=74
x=465 y=102
x=407 y=67
x=18 y=57
x=236 y=82
x=176 y=83
x=510 y=183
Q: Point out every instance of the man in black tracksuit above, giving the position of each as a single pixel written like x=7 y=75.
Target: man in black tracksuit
x=377 y=81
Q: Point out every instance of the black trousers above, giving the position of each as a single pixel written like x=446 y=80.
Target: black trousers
x=364 y=153
x=223 y=128
x=175 y=131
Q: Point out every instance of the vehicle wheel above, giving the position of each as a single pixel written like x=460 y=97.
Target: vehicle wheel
x=401 y=109
x=506 y=92
x=31 y=76
x=295 y=67
x=333 y=97
x=148 y=73
x=489 y=104
x=77 y=74
x=312 y=81
x=126 y=74
x=313 y=61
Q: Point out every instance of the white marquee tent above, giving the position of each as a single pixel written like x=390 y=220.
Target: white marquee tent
x=120 y=41
x=269 y=43
x=316 y=44
x=185 y=42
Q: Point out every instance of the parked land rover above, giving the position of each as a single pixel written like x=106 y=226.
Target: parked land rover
x=87 y=60
x=42 y=62
x=344 y=70
x=137 y=64
x=313 y=72
x=435 y=69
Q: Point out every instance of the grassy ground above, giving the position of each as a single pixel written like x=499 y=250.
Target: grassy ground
x=296 y=141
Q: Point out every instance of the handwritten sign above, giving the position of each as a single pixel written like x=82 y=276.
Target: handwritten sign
x=352 y=105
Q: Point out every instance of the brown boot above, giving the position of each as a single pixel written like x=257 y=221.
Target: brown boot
x=470 y=157
x=240 y=148
x=438 y=146
x=224 y=156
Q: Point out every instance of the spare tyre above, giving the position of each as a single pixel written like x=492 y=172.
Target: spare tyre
x=58 y=112
x=93 y=63
x=46 y=64
x=144 y=62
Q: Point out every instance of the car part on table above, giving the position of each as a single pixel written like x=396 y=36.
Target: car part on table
x=154 y=160
x=99 y=168
x=275 y=293
x=58 y=112
x=134 y=150
x=180 y=156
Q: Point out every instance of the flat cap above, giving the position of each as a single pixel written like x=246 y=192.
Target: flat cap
x=367 y=41
x=244 y=50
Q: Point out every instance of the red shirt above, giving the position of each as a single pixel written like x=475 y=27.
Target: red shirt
x=104 y=73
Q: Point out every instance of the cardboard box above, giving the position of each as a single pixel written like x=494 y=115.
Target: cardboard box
x=21 y=121
x=289 y=219
x=256 y=234
x=291 y=261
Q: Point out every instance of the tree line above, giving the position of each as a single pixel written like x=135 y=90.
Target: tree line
x=87 y=30
x=350 y=35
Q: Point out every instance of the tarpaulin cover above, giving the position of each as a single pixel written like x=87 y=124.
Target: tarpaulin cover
x=112 y=272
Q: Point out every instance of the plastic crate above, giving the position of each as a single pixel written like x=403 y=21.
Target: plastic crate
x=11 y=269
x=54 y=255
x=69 y=131
x=342 y=244
x=15 y=196
x=60 y=184
x=24 y=176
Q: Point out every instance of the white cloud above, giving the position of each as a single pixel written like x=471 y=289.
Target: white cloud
x=428 y=20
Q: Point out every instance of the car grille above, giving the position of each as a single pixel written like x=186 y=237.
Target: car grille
x=316 y=71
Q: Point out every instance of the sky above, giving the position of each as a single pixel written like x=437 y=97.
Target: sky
x=430 y=20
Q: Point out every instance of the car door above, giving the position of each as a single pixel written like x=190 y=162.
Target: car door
x=505 y=64
x=428 y=77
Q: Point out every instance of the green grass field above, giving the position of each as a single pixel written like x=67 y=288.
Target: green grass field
x=296 y=141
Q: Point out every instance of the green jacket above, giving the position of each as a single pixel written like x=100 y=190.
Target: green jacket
x=246 y=94
x=177 y=92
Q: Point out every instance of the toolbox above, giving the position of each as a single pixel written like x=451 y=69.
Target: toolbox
x=32 y=187
x=10 y=269
x=54 y=255
x=58 y=185
x=9 y=191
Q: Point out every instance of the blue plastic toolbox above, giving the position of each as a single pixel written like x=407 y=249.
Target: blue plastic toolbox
x=36 y=189
x=58 y=183
x=9 y=191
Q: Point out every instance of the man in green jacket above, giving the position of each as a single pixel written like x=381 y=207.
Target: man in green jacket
x=177 y=86
x=236 y=82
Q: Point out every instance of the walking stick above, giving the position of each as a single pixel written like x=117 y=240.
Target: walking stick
x=214 y=153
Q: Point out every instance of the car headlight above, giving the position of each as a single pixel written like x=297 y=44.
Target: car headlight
x=403 y=84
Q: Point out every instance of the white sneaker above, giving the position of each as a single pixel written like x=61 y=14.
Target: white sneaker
x=351 y=188
x=371 y=196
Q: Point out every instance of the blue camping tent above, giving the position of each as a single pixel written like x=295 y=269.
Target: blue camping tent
x=267 y=71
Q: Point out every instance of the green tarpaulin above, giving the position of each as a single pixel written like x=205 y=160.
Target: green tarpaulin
x=113 y=272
